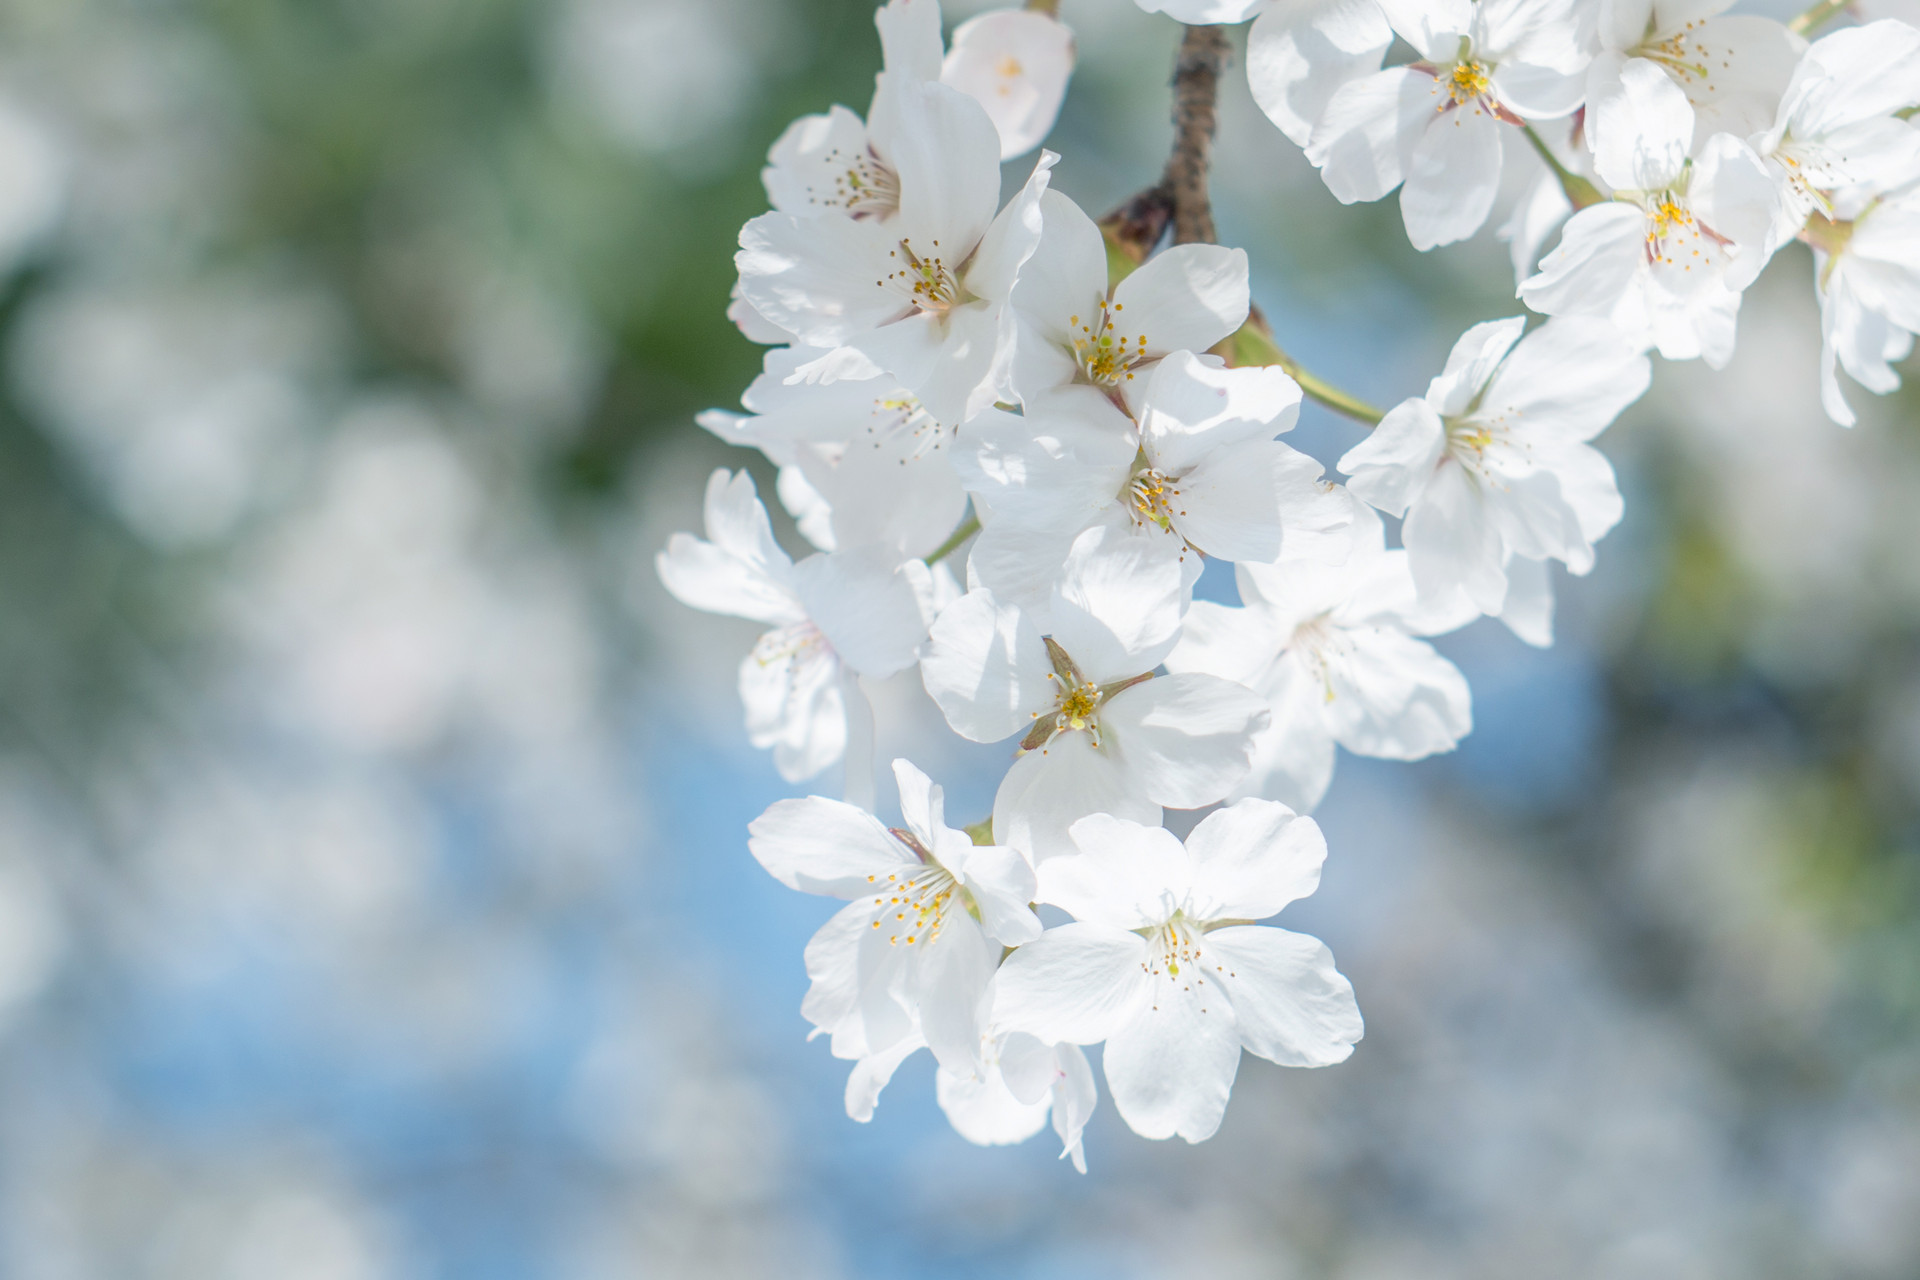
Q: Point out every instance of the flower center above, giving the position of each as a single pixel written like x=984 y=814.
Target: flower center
x=913 y=910
x=895 y=415
x=866 y=187
x=1153 y=496
x=785 y=644
x=1674 y=53
x=1468 y=80
x=1107 y=357
x=931 y=286
x=1174 y=947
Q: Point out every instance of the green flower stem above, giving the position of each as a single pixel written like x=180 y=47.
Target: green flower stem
x=1817 y=16
x=1580 y=192
x=968 y=527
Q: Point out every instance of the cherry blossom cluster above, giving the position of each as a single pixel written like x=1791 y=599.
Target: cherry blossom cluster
x=1012 y=445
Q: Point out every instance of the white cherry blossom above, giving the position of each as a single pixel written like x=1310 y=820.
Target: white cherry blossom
x=1073 y=328
x=1100 y=731
x=1195 y=470
x=1493 y=462
x=1836 y=132
x=1333 y=651
x=1164 y=964
x=1667 y=258
x=1867 y=272
x=1015 y=63
x=1302 y=52
x=834 y=617
x=910 y=956
x=1435 y=125
x=920 y=294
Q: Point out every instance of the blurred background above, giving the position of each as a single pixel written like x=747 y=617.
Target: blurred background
x=374 y=899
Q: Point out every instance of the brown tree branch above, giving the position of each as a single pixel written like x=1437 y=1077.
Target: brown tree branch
x=1196 y=91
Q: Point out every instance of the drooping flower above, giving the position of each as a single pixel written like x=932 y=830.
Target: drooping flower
x=1334 y=652
x=1493 y=462
x=834 y=617
x=1164 y=963
x=910 y=956
x=1867 y=273
x=1667 y=258
x=1836 y=133
x=1101 y=733
x=1196 y=470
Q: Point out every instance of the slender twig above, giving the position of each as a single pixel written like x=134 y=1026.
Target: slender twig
x=968 y=527
x=1049 y=7
x=1817 y=16
x=1196 y=94
x=1580 y=192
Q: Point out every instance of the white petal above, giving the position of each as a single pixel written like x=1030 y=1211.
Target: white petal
x=1186 y=298
x=1528 y=611
x=1010 y=243
x=794 y=704
x=1186 y=740
x=1074 y=1098
x=983 y=1111
x=1365 y=139
x=1393 y=466
x=1065 y=279
x=1125 y=875
x=1602 y=251
x=1474 y=357
x=871 y=1074
x=1191 y=409
x=1075 y=983
x=1252 y=858
x=1290 y=1004
x=1572 y=376
x=1001 y=881
x=1015 y=64
x=867 y=608
x=1641 y=130
x=1299 y=55
x=815 y=277
x=823 y=846
x=1452 y=177
x=1117 y=608
x=1234 y=644
x=987 y=669
x=807 y=161
x=1170 y=1069
x=1453 y=542
x=1047 y=791
x=832 y=1002
x=910 y=37
x=950 y=979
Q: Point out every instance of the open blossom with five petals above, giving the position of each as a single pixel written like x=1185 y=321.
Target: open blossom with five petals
x=1334 y=652
x=1435 y=125
x=1165 y=963
x=1195 y=470
x=919 y=294
x=833 y=617
x=1071 y=327
x=908 y=960
x=1494 y=463
x=1101 y=733
x=1667 y=258
x=868 y=462
x=1836 y=134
